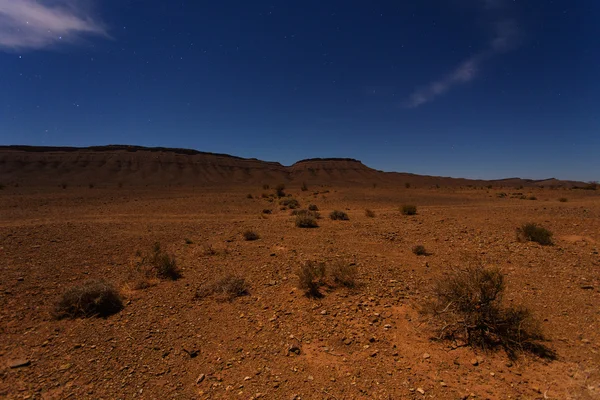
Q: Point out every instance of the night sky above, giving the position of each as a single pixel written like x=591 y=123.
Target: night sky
x=464 y=88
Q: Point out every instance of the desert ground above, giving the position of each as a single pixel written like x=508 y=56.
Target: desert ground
x=364 y=342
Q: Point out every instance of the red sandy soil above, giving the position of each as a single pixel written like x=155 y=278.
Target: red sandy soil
x=367 y=342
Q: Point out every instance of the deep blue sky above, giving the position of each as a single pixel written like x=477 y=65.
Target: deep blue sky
x=469 y=88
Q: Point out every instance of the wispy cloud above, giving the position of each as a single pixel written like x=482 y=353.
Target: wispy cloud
x=505 y=38
x=31 y=24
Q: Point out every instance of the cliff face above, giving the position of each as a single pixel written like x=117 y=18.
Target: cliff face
x=141 y=166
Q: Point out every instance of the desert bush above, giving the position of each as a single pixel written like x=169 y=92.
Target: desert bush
x=532 y=198
x=563 y=199
x=91 y=185
x=92 y=299
x=407 y=185
x=501 y=195
x=409 y=209
x=249 y=196
x=290 y=203
x=344 y=273
x=467 y=306
x=267 y=211
x=163 y=264
x=311 y=275
x=304 y=188
x=227 y=288
x=419 y=250
x=63 y=185
x=279 y=190
x=306 y=221
x=313 y=207
x=250 y=235
x=265 y=187
x=369 y=213
x=534 y=233
x=2 y=186
x=337 y=215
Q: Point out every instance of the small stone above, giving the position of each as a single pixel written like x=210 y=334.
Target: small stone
x=426 y=356
x=587 y=287
x=19 y=364
x=324 y=312
x=387 y=326
x=347 y=341
x=474 y=362
x=311 y=378
x=294 y=349
x=420 y=390
x=20 y=279
x=443 y=384
x=247 y=378
x=200 y=378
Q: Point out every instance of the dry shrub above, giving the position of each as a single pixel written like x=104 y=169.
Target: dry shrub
x=226 y=288
x=409 y=209
x=306 y=213
x=419 y=250
x=337 y=215
x=267 y=211
x=311 y=276
x=467 y=306
x=534 y=233
x=290 y=203
x=163 y=264
x=563 y=199
x=249 y=196
x=92 y=299
x=369 y=213
x=304 y=188
x=306 y=221
x=313 y=207
x=279 y=190
x=344 y=273
x=250 y=235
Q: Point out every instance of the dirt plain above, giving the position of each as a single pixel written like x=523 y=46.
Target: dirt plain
x=366 y=342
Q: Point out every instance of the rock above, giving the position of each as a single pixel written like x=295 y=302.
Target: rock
x=426 y=356
x=347 y=341
x=443 y=384
x=373 y=354
x=293 y=349
x=587 y=287
x=474 y=362
x=200 y=378
x=420 y=390
x=19 y=363
x=324 y=312
x=20 y=279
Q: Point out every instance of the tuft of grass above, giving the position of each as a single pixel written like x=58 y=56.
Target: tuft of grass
x=290 y=203
x=467 y=305
x=419 y=250
x=563 y=199
x=337 y=215
x=534 y=233
x=369 y=213
x=163 y=264
x=409 y=209
x=91 y=299
x=311 y=276
x=313 y=207
x=250 y=235
x=306 y=221
x=344 y=273
x=227 y=288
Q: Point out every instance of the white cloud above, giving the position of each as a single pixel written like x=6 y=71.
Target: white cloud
x=30 y=24
x=505 y=39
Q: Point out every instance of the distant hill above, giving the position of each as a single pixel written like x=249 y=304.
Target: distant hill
x=141 y=166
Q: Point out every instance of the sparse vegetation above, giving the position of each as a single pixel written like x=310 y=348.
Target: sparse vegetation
x=419 y=250
x=304 y=188
x=311 y=276
x=338 y=215
x=163 y=264
x=250 y=235
x=63 y=185
x=188 y=241
x=227 y=288
x=501 y=195
x=279 y=190
x=306 y=221
x=307 y=213
x=369 y=213
x=290 y=203
x=563 y=199
x=534 y=233
x=409 y=209
x=249 y=196
x=344 y=273
x=467 y=305
x=313 y=207
x=265 y=187
x=407 y=185
x=91 y=299
x=532 y=198
x=267 y=211
x=91 y=185
x=2 y=186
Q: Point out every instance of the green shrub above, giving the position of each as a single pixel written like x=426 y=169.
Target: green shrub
x=92 y=299
x=337 y=215
x=409 y=209
x=534 y=233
